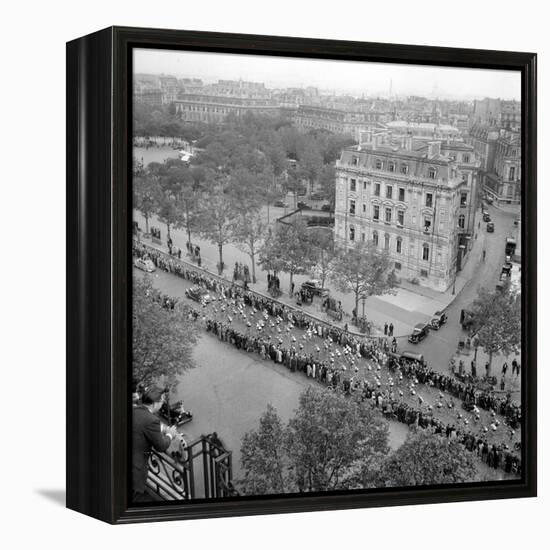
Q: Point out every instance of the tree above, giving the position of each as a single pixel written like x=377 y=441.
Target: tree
x=263 y=456
x=427 y=459
x=328 y=437
x=146 y=194
x=162 y=339
x=311 y=164
x=324 y=250
x=327 y=181
x=363 y=270
x=248 y=233
x=497 y=321
x=216 y=217
x=288 y=249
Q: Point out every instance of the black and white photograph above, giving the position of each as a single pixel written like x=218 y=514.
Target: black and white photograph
x=326 y=276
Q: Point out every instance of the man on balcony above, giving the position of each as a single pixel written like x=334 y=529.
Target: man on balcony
x=148 y=433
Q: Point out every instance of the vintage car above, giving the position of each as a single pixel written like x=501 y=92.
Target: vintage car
x=280 y=204
x=145 y=264
x=198 y=294
x=439 y=318
x=490 y=227
x=303 y=206
x=486 y=216
x=409 y=357
x=314 y=286
x=420 y=332
x=326 y=207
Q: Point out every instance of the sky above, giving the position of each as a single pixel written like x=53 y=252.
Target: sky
x=357 y=78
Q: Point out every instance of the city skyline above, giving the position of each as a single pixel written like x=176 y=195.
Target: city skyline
x=351 y=77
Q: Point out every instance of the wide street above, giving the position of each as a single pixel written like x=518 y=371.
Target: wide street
x=230 y=389
x=407 y=307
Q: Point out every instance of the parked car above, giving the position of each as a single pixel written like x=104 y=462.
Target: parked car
x=490 y=227
x=198 y=294
x=409 y=357
x=420 y=332
x=145 y=264
x=302 y=205
x=489 y=200
x=486 y=217
x=326 y=207
x=438 y=320
x=317 y=197
x=280 y=204
x=314 y=286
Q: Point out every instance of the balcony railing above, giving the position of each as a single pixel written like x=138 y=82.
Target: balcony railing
x=202 y=470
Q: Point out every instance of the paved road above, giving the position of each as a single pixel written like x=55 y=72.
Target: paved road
x=438 y=346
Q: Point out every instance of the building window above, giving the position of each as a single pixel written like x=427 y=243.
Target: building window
x=400 y=217
x=466 y=158
x=378 y=164
x=351 y=233
x=432 y=172
x=364 y=185
x=389 y=191
x=397 y=266
x=375 y=238
x=352 y=185
x=388 y=215
x=427 y=225
x=376 y=212
x=363 y=237
x=423 y=272
x=463 y=199
x=398 y=245
x=376 y=189
x=404 y=169
x=386 y=241
x=425 y=252
x=364 y=208
x=402 y=194
x=429 y=200
x=352 y=208
x=512 y=173
x=461 y=220
x=391 y=167
x=354 y=161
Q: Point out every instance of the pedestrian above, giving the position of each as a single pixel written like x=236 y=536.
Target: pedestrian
x=292 y=288
x=515 y=366
x=504 y=369
x=484 y=254
x=473 y=366
x=385 y=329
x=487 y=368
x=502 y=384
x=390 y=328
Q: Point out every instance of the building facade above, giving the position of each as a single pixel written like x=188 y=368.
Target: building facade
x=406 y=202
x=503 y=183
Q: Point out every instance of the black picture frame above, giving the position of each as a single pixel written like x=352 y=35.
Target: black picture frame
x=98 y=276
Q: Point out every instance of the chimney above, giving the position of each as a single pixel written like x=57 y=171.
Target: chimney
x=434 y=149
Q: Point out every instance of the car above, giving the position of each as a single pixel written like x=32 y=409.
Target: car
x=199 y=294
x=489 y=200
x=326 y=207
x=490 y=227
x=302 y=205
x=486 y=217
x=145 y=264
x=280 y=204
x=314 y=286
x=439 y=318
x=317 y=197
x=420 y=331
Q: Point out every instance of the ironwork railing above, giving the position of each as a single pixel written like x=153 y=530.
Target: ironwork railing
x=203 y=470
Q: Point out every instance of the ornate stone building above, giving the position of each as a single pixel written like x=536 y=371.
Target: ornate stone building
x=407 y=202
x=503 y=183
